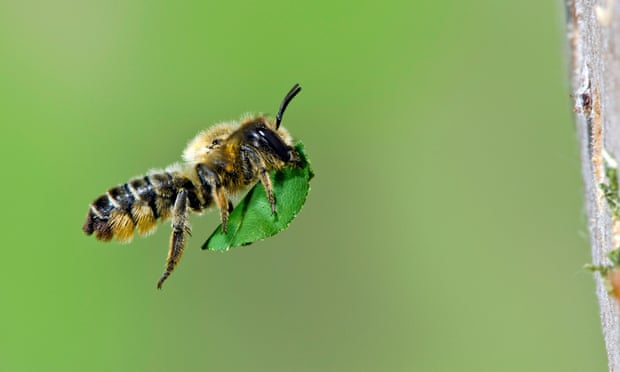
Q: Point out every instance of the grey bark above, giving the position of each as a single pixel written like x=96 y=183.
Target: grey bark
x=594 y=45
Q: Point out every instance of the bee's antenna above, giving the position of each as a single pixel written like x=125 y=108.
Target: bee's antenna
x=289 y=96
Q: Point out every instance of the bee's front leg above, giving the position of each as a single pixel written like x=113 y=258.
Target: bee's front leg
x=266 y=181
x=255 y=164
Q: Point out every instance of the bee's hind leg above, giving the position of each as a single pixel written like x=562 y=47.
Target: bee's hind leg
x=180 y=227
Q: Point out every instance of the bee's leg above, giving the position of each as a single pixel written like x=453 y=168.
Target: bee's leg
x=212 y=186
x=180 y=227
x=223 y=204
x=266 y=181
x=253 y=161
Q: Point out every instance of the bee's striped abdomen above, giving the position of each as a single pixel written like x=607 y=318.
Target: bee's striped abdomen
x=97 y=218
x=138 y=204
x=144 y=189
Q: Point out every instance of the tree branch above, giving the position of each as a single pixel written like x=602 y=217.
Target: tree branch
x=594 y=38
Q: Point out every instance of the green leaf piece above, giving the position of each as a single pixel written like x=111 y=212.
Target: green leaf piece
x=252 y=220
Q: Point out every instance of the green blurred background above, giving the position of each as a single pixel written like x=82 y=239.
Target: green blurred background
x=445 y=230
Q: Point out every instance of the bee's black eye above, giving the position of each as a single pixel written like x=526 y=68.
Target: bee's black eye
x=268 y=140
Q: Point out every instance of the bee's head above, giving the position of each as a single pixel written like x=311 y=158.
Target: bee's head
x=276 y=142
x=268 y=136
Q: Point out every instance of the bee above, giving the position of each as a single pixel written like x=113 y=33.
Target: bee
x=219 y=162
